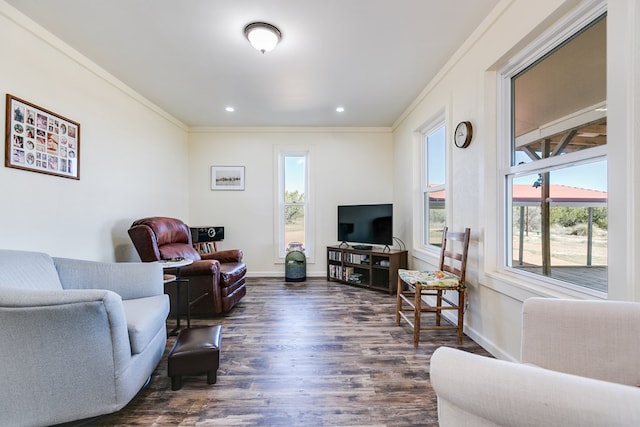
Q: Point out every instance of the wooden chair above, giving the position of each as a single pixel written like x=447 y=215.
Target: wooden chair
x=413 y=285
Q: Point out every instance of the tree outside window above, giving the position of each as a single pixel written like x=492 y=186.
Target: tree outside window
x=294 y=200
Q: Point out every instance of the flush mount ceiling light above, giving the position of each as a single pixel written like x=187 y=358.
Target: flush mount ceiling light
x=264 y=37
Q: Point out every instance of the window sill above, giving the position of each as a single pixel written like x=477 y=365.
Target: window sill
x=426 y=255
x=522 y=286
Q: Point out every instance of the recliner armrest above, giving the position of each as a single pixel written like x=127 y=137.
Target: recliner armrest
x=229 y=255
x=201 y=268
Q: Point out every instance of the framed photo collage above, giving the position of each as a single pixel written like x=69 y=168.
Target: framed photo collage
x=39 y=140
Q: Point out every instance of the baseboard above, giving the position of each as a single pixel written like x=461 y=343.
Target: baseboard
x=276 y=274
x=481 y=340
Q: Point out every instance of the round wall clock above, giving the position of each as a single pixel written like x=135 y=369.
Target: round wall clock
x=463 y=134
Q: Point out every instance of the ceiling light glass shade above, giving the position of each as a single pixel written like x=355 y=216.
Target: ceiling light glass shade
x=262 y=36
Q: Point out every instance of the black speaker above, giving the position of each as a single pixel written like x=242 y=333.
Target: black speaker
x=207 y=234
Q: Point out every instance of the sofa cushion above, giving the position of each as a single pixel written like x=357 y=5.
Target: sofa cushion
x=28 y=270
x=143 y=317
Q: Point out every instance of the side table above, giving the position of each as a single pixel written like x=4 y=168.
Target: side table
x=177 y=264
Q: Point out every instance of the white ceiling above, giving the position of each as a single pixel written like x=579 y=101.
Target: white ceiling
x=190 y=57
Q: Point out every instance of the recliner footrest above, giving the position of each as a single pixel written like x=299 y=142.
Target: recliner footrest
x=196 y=351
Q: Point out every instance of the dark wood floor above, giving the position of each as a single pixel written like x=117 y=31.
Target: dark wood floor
x=306 y=354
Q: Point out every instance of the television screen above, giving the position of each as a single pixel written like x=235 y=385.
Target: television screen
x=366 y=224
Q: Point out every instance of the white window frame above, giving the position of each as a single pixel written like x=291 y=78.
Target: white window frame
x=561 y=31
x=281 y=250
x=433 y=126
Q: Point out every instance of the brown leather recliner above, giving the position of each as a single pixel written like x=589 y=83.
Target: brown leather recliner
x=216 y=280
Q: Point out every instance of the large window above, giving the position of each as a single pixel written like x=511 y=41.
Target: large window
x=293 y=200
x=556 y=177
x=433 y=185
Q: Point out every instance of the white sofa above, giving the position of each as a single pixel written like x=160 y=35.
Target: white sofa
x=580 y=367
x=77 y=338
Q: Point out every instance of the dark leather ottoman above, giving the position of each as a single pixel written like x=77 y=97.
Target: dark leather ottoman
x=196 y=351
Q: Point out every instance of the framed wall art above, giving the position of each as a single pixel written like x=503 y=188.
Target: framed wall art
x=227 y=177
x=39 y=140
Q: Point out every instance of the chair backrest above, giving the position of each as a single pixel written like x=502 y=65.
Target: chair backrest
x=28 y=270
x=591 y=338
x=453 y=254
x=157 y=238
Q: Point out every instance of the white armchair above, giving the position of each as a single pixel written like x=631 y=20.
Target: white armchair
x=580 y=366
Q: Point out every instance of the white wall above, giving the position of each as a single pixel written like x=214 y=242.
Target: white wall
x=133 y=157
x=347 y=166
x=466 y=89
x=137 y=161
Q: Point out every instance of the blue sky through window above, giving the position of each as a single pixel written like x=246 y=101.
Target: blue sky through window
x=436 y=157
x=294 y=167
x=591 y=176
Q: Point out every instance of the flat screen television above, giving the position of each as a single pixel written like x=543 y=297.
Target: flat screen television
x=366 y=224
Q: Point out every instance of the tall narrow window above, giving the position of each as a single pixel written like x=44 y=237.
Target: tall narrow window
x=433 y=185
x=293 y=200
x=556 y=180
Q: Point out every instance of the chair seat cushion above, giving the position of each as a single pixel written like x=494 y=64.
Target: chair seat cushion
x=231 y=272
x=144 y=317
x=435 y=278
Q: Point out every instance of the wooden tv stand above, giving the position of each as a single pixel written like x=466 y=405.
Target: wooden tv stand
x=374 y=269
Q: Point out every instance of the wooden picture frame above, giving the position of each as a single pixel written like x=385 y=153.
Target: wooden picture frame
x=39 y=140
x=227 y=178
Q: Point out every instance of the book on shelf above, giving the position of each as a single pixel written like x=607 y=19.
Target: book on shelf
x=356 y=258
x=335 y=272
x=205 y=247
x=346 y=274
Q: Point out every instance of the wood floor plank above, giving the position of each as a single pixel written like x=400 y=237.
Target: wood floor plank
x=316 y=353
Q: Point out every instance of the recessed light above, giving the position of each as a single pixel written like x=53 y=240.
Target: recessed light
x=340 y=109
x=229 y=109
